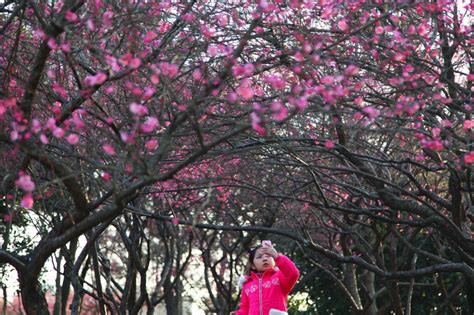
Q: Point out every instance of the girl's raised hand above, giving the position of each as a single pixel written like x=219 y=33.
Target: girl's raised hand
x=270 y=250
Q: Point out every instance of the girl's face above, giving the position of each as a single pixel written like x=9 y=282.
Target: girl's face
x=262 y=261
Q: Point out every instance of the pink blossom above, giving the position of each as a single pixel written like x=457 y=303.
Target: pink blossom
x=359 y=100
x=137 y=91
x=328 y=12
x=149 y=125
x=281 y=115
x=429 y=79
x=8 y=217
x=51 y=124
x=27 y=201
x=257 y=107
x=138 y=109
x=279 y=111
x=420 y=157
x=329 y=144
x=107 y=18
x=470 y=77
x=298 y=56
x=245 y=92
x=222 y=20
x=52 y=43
x=256 y=126
x=149 y=92
x=149 y=37
x=275 y=81
x=189 y=17
x=395 y=19
x=357 y=116
x=351 y=70
x=59 y=132
x=65 y=47
x=259 y=130
x=197 y=75
x=35 y=126
x=468 y=124
x=435 y=145
x=315 y=59
x=44 y=139
x=232 y=97
x=212 y=50
x=97 y=79
x=370 y=111
x=174 y=221
x=71 y=16
x=126 y=59
x=73 y=139
x=135 y=63
x=420 y=135
x=328 y=79
x=113 y=63
x=249 y=69
x=108 y=149
x=263 y=4
x=78 y=122
x=127 y=138
x=151 y=145
x=446 y=123
x=60 y=90
x=301 y=103
x=90 y=25
x=208 y=32
x=400 y=57
x=423 y=29
x=307 y=48
x=379 y=30
x=7 y=103
x=106 y=176
x=155 y=79
x=469 y=157
x=243 y=70
x=238 y=70
x=109 y=89
x=25 y=182
x=39 y=33
x=169 y=69
x=342 y=25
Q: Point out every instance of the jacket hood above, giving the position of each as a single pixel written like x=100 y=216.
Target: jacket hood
x=243 y=280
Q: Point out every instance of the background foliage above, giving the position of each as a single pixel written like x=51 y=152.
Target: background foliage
x=144 y=140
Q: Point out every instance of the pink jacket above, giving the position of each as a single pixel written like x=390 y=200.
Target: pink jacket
x=270 y=290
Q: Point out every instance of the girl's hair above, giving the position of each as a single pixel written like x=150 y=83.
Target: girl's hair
x=252 y=254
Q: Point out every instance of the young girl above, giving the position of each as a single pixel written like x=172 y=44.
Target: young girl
x=270 y=280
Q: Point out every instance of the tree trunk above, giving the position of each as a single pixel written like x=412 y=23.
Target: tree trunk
x=469 y=288
x=4 y=306
x=394 y=293
x=68 y=266
x=57 y=302
x=173 y=300
x=368 y=280
x=351 y=284
x=32 y=297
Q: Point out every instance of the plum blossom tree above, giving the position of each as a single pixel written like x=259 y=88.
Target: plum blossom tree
x=343 y=126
